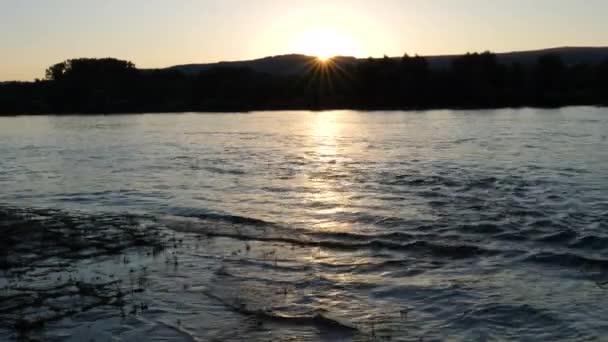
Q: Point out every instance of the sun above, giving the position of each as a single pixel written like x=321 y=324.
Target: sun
x=323 y=57
x=325 y=43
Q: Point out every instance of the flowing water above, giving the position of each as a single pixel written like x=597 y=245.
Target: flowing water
x=342 y=225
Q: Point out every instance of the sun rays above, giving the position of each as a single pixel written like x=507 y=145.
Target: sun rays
x=326 y=74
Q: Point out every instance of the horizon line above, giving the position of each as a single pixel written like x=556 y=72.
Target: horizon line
x=563 y=47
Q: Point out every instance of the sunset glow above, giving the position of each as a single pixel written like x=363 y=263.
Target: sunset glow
x=160 y=34
x=325 y=43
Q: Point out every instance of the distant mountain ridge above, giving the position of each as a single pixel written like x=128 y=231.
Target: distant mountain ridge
x=276 y=65
x=294 y=64
x=110 y=85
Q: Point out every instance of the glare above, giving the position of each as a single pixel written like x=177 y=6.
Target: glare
x=325 y=43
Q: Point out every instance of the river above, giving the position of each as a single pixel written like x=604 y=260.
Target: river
x=341 y=225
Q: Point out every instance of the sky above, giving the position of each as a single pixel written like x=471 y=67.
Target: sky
x=35 y=34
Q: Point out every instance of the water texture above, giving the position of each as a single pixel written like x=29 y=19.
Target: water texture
x=306 y=226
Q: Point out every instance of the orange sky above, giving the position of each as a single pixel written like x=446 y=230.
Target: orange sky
x=158 y=33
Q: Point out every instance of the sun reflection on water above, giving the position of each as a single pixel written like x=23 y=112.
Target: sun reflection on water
x=328 y=176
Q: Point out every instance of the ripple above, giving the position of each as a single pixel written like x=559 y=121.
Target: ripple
x=570 y=260
x=411 y=223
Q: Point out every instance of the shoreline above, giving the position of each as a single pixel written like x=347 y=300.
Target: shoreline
x=308 y=109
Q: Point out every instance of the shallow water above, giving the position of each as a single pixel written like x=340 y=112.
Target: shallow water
x=469 y=225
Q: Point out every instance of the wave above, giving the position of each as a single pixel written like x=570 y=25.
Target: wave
x=226 y=218
x=514 y=317
x=417 y=181
x=221 y=171
x=485 y=228
x=346 y=236
x=400 y=242
x=558 y=237
x=363 y=218
x=570 y=260
x=317 y=320
x=453 y=251
x=591 y=243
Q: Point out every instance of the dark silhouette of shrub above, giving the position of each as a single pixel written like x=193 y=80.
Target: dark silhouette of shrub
x=110 y=85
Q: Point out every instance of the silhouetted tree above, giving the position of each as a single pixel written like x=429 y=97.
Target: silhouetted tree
x=88 y=69
x=548 y=74
x=414 y=82
x=110 y=85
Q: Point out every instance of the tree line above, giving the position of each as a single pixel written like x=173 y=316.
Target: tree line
x=474 y=80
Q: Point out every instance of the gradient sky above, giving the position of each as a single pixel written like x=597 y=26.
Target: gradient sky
x=156 y=33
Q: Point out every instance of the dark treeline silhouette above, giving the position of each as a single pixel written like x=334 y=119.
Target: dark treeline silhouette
x=470 y=81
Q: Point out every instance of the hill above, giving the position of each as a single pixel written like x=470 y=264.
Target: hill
x=295 y=64
x=276 y=65
x=544 y=78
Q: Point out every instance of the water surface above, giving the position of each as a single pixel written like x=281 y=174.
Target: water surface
x=342 y=225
